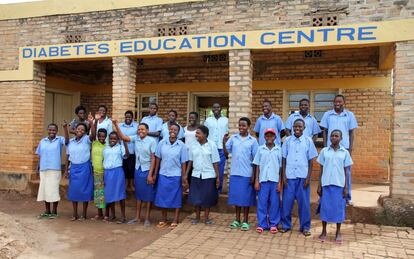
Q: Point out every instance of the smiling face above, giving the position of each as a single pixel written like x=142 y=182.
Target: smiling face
x=270 y=138
x=267 y=108
x=216 y=109
x=336 y=137
x=304 y=107
x=142 y=131
x=339 y=103
x=102 y=112
x=200 y=136
x=101 y=137
x=52 y=131
x=174 y=129
x=128 y=118
x=243 y=128
x=192 y=119
x=298 y=128
x=113 y=139
x=80 y=130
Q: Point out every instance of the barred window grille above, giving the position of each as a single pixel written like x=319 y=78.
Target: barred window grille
x=173 y=30
x=325 y=20
x=73 y=38
x=215 y=58
x=312 y=54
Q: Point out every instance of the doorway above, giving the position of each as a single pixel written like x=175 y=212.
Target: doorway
x=203 y=104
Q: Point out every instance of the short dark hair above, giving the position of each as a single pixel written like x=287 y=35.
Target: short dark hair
x=195 y=113
x=82 y=124
x=102 y=106
x=153 y=104
x=174 y=124
x=299 y=119
x=203 y=129
x=79 y=108
x=114 y=133
x=173 y=111
x=304 y=100
x=102 y=130
x=143 y=124
x=337 y=130
x=339 y=96
x=247 y=120
x=129 y=112
x=53 y=125
x=267 y=101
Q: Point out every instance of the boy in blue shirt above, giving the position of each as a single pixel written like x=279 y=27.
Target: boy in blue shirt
x=154 y=122
x=269 y=120
x=268 y=161
x=312 y=128
x=298 y=153
x=345 y=121
x=332 y=188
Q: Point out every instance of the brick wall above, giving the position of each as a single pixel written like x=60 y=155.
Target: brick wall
x=91 y=101
x=274 y=96
x=173 y=101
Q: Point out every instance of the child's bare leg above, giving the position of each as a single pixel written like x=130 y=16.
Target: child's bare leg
x=164 y=215
x=238 y=212
x=176 y=216
x=55 y=205
x=246 y=214
x=100 y=213
x=112 y=207
x=75 y=210
x=138 y=211
x=85 y=210
x=122 y=205
x=323 y=234
x=206 y=214
x=148 y=211
x=198 y=210
x=47 y=207
x=338 y=232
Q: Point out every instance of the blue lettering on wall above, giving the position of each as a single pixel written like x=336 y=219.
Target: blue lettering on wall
x=103 y=48
x=241 y=42
x=64 y=51
x=364 y=33
x=348 y=32
x=185 y=44
x=125 y=47
x=27 y=52
x=265 y=40
x=166 y=47
x=309 y=38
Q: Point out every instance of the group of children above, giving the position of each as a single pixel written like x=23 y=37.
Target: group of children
x=271 y=175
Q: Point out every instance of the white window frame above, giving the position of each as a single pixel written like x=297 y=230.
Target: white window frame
x=141 y=109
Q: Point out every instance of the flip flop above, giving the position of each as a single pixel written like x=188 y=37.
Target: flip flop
x=53 y=216
x=147 y=223
x=283 y=230
x=195 y=221
x=235 y=224
x=121 y=221
x=339 y=240
x=162 y=224
x=274 y=230
x=43 y=215
x=208 y=222
x=105 y=219
x=97 y=217
x=82 y=218
x=73 y=218
x=259 y=230
x=245 y=226
x=306 y=233
x=322 y=238
x=173 y=225
x=132 y=222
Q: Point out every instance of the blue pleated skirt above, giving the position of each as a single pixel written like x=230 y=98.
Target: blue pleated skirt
x=80 y=182
x=332 y=204
x=203 y=192
x=143 y=191
x=241 y=191
x=169 y=192
x=114 y=180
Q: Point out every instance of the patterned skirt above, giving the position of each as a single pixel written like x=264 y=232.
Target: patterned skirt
x=98 y=191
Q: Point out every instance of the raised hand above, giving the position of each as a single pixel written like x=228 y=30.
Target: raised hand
x=65 y=124
x=97 y=116
x=90 y=117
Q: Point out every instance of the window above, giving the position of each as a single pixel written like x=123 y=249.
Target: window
x=143 y=102
x=320 y=102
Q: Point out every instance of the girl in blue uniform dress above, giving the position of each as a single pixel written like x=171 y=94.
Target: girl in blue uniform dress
x=243 y=148
x=80 y=171
x=205 y=179
x=144 y=182
x=114 y=178
x=171 y=159
x=332 y=188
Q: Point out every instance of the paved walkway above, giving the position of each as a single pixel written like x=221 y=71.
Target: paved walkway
x=219 y=241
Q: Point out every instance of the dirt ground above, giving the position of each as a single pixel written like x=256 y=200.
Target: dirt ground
x=23 y=235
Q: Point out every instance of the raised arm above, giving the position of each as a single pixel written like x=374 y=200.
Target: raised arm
x=93 y=125
x=65 y=130
x=126 y=149
x=120 y=134
x=67 y=167
x=225 y=139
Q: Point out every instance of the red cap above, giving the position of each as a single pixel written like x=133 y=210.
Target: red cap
x=270 y=130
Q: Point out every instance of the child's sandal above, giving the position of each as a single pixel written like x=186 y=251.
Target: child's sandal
x=162 y=224
x=283 y=230
x=274 y=230
x=259 y=230
x=306 y=233
x=73 y=218
x=43 y=215
x=105 y=219
x=245 y=226
x=173 y=225
x=235 y=224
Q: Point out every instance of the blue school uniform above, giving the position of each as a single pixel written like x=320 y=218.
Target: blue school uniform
x=169 y=189
x=311 y=124
x=269 y=162
x=241 y=189
x=297 y=152
x=80 y=178
x=50 y=153
x=332 y=202
x=165 y=132
x=114 y=180
x=143 y=150
x=203 y=191
x=129 y=130
x=263 y=123
x=217 y=129
x=154 y=124
x=345 y=121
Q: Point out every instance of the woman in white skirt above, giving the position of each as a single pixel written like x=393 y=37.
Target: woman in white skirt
x=50 y=153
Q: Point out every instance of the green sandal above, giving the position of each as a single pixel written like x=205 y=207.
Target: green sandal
x=235 y=224
x=245 y=226
x=43 y=216
x=53 y=216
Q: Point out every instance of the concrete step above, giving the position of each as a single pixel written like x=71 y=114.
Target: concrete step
x=355 y=214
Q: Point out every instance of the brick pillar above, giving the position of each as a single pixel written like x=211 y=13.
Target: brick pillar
x=123 y=86
x=23 y=104
x=402 y=161
x=240 y=92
